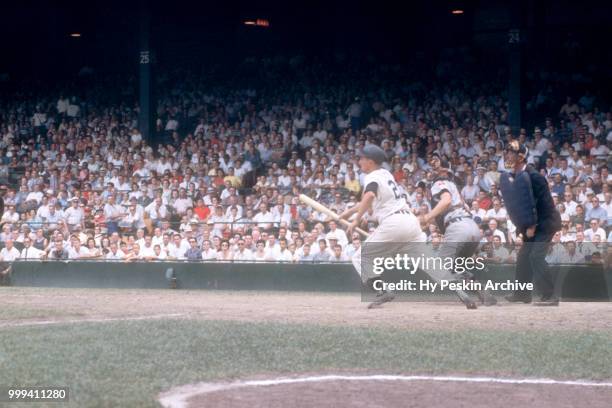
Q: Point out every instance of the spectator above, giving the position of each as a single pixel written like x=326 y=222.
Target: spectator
x=75 y=250
x=208 y=253
x=134 y=254
x=226 y=253
x=29 y=252
x=572 y=256
x=323 y=255
x=589 y=234
x=495 y=231
x=597 y=213
x=178 y=247
x=338 y=256
x=9 y=253
x=194 y=253
x=114 y=253
x=99 y=173
x=306 y=256
x=57 y=252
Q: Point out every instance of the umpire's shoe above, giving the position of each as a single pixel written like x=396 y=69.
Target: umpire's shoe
x=466 y=299
x=549 y=301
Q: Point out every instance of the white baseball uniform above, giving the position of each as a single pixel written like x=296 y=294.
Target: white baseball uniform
x=389 y=196
x=396 y=224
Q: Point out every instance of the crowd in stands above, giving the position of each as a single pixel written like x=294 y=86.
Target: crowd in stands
x=220 y=180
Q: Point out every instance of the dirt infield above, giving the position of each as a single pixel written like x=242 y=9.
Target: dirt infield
x=387 y=391
x=333 y=309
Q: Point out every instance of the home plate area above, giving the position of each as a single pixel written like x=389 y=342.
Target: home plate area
x=331 y=391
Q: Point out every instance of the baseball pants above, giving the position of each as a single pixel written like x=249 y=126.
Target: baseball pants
x=461 y=239
x=400 y=233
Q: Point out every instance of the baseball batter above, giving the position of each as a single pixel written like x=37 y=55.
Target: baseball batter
x=454 y=220
x=396 y=223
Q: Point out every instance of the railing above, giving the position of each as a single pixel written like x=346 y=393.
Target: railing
x=157 y=261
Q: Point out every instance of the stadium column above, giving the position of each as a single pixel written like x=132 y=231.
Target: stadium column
x=146 y=118
x=515 y=102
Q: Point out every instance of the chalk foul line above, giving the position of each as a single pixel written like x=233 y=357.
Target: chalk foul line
x=89 y=320
x=177 y=397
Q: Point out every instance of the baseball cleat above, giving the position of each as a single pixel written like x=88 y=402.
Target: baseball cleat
x=466 y=299
x=381 y=298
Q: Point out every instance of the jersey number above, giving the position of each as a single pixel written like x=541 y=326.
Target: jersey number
x=396 y=191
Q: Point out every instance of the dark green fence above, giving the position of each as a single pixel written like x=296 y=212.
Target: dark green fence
x=587 y=282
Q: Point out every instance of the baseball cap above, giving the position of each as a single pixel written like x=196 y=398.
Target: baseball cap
x=374 y=153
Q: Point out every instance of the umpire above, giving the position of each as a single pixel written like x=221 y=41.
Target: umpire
x=543 y=222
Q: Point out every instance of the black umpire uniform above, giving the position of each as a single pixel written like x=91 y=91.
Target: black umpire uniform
x=531 y=263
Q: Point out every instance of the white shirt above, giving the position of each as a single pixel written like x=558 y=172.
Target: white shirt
x=147 y=251
x=43 y=212
x=10 y=217
x=74 y=215
x=62 y=105
x=73 y=110
x=501 y=252
x=600 y=152
x=181 y=204
x=283 y=255
x=264 y=220
x=172 y=124
x=178 y=252
x=573 y=259
x=31 y=253
x=589 y=234
x=500 y=215
x=557 y=254
x=118 y=255
x=9 y=255
x=500 y=234
x=113 y=210
x=35 y=195
x=585 y=248
x=570 y=207
x=343 y=258
x=73 y=254
x=340 y=235
x=245 y=255
x=210 y=254
x=154 y=212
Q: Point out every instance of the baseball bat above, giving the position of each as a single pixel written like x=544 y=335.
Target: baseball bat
x=323 y=209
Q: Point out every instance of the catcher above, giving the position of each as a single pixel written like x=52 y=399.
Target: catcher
x=454 y=220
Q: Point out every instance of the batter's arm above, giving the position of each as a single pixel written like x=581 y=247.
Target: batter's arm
x=362 y=208
x=347 y=213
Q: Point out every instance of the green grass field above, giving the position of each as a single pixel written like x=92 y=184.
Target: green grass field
x=126 y=364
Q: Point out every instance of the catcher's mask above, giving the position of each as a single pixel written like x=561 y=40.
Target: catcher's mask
x=513 y=153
